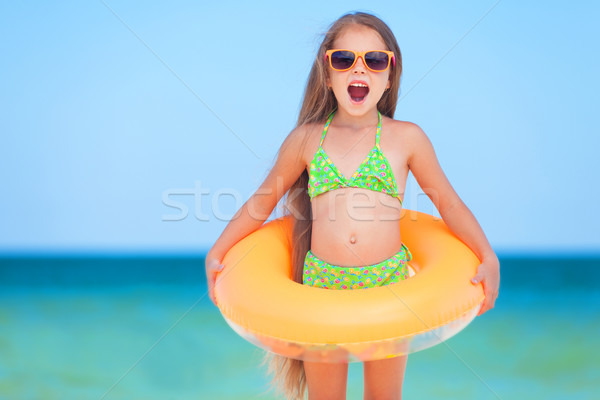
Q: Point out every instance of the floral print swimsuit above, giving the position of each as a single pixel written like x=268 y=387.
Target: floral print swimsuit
x=375 y=173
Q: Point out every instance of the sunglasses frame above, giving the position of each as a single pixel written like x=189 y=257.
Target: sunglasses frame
x=361 y=54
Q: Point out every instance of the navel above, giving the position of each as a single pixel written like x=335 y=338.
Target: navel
x=352 y=239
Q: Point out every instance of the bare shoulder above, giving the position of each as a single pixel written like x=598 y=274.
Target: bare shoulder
x=312 y=131
x=405 y=132
x=309 y=135
x=303 y=140
x=403 y=128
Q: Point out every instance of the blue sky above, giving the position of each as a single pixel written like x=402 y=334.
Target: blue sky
x=108 y=108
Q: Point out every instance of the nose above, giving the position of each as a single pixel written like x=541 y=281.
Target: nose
x=359 y=65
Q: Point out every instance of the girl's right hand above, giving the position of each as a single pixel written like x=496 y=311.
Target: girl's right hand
x=213 y=267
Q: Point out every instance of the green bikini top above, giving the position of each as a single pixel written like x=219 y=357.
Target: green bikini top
x=375 y=172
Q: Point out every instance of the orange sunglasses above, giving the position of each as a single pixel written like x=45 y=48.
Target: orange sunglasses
x=375 y=60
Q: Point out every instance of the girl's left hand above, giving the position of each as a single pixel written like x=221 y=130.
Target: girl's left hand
x=488 y=273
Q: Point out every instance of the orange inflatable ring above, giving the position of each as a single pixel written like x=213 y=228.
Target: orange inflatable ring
x=260 y=301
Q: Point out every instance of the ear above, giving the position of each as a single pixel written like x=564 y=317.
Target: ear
x=389 y=84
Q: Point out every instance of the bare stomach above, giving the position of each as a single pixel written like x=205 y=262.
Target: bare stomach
x=355 y=227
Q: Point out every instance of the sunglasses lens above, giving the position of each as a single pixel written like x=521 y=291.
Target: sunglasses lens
x=377 y=60
x=342 y=59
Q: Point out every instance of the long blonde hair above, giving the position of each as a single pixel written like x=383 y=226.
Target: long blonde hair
x=318 y=103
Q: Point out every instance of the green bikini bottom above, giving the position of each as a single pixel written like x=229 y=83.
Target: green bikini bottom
x=321 y=274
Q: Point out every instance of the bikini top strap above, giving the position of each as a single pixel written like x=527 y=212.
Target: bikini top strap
x=378 y=134
x=327 y=126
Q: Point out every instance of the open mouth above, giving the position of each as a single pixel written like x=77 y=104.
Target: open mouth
x=358 y=91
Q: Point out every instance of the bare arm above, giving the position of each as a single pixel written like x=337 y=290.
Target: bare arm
x=256 y=210
x=427 y=171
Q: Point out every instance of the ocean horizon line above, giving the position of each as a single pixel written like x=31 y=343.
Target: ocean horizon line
x=201 y=253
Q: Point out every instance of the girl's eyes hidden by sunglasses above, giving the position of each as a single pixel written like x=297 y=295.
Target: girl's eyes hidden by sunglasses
x=375 y=60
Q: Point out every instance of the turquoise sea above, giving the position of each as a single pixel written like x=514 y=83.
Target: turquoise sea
x=141 y=327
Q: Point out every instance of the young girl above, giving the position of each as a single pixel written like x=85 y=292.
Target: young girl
x=345 y=167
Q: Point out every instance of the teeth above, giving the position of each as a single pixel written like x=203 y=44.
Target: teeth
x=358 y=84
